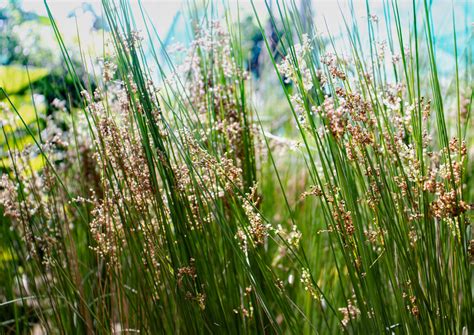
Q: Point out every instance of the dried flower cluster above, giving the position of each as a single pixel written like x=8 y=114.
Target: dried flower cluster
x=331 y=61
x=212 y=83
x=350 y=312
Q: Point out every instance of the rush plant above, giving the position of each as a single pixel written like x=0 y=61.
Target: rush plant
x=177 y=201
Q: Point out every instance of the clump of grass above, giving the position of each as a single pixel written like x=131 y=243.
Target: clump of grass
x=168 y=206
x=389 y=177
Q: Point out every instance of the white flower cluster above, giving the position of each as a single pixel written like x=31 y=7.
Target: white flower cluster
x=295 y=68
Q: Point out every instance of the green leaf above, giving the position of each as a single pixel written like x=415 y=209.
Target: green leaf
x=43 y=20
x=26 y=109
x=14 y=78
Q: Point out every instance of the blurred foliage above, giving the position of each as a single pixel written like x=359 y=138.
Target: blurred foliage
x=23 y=36
x=27 y=39
x=32 y=74
x=15 y=81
